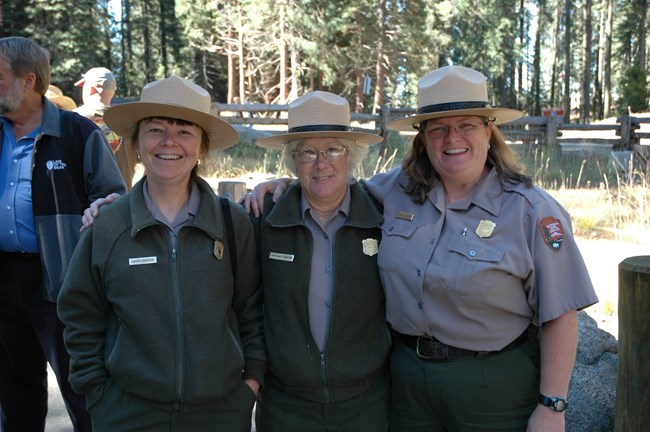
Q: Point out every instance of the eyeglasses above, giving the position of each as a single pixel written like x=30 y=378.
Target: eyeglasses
x=307 y=155
x=463 y=128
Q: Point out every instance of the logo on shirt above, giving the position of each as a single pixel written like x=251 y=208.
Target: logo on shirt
x=552 y=232
x=55 y=165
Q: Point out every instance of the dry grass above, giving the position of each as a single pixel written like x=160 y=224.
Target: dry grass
x=621 y=214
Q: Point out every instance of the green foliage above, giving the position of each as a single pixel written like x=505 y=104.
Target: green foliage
x=634 y=91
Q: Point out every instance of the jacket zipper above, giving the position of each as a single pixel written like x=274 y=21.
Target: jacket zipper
x=178 y=330
x=323 y=373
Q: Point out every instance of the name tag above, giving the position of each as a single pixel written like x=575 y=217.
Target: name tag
x=143 y=260
x=404 y=215
x=281 y=257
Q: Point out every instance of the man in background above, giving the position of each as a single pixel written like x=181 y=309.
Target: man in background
x=98 y=88
x=52 y=165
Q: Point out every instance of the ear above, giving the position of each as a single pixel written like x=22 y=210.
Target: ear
x=29 y=81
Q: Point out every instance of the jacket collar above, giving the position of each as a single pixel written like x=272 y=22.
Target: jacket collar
x=363 y=211
x=208 y=217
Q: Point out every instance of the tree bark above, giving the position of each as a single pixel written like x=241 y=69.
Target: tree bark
x=380 y=67
x=633 y=383
x=586 y=65
x=566 y=100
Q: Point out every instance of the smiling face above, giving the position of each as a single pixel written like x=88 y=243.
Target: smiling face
x=324 y=182
x=457 y=147
x=169 y=149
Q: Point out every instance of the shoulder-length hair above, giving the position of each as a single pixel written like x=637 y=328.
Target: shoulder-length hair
x=423 y=176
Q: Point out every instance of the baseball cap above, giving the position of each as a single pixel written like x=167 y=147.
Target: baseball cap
x=99 y=77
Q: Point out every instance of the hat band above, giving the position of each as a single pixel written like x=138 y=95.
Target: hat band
x=319 y=128
x=451 y=106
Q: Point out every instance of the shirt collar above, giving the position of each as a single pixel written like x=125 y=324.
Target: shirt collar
x=487 y=195
x=344 y=206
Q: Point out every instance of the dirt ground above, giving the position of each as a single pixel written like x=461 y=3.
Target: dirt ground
x=602 y=258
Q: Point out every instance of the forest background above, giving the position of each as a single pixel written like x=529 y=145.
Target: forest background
x=588 y=57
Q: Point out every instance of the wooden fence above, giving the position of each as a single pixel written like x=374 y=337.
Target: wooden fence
x=545 y=131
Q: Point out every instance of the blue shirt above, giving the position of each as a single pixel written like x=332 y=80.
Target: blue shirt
x=17 y=229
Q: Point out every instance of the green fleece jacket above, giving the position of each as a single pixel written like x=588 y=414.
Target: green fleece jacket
x=170 y=326
x=358 y=342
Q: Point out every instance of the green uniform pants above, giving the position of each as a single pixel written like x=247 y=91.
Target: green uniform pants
x=281 y=412
x=495 y=393
x=117 y=411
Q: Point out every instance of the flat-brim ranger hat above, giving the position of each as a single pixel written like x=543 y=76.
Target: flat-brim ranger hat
x=176 y=98
x=453 y=91
x=318 y=114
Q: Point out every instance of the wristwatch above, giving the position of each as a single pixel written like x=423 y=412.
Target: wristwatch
x=557 y=404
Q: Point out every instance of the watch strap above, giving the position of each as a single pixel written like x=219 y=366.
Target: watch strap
x=557 y=404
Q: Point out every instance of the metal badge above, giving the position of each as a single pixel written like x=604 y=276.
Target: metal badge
x=485 y=228
x=218 y=249
x=370 y=246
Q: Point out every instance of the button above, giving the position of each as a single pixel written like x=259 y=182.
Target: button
x=472 y=253
x=328 y=304
x=328 y=269
x=11 y=183
x=419 y=272
x=8 y=207
x=420 y=306
x=11 y=232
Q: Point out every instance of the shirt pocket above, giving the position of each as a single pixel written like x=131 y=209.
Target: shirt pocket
x=473 y=267
x=396 y=236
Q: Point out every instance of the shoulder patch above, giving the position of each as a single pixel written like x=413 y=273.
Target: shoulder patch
x=552 y=232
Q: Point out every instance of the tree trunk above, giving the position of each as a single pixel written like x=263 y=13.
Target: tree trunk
x=125 y=45
x=240 y=55
x=294 y=74
x=586 y=65
x=537 y=109
x=566 y=100
x=163 y=37
x=380 y=67
x=643 y=10
x=147 y=43
x=359 y=99
x=556 y=55
x=282 y=52
x=633 y=383
x=520 y=65
x=607 y=60
x=231 y=62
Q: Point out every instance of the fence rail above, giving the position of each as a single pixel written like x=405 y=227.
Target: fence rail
x=544 y=131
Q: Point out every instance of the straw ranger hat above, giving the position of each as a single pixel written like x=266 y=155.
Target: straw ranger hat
x=318 y=114
x=177 y=98
x=56 y=96
x=453 y=91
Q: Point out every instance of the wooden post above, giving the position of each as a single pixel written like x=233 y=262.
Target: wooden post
x=633 y=385
x=232 y=189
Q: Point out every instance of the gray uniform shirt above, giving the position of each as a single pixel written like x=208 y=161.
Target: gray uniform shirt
x=321 y=281
x=476 y=273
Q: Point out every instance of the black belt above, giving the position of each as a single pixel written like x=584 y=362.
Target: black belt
x=19 y=255
x=430 y=348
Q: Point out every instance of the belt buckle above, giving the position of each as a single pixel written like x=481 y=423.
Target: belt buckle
x=417 y=347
